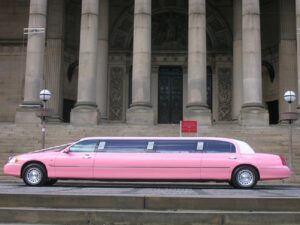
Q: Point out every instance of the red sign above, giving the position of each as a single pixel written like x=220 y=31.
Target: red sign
x=189 y=126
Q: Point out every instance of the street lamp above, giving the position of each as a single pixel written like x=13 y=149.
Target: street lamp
x=45 y=96
x=290 y=97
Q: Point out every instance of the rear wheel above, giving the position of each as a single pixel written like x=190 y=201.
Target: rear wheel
x=34 y=175
x=244 y=177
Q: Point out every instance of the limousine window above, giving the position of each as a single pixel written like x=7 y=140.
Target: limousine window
x=84 y=146
x=212 y=146
x=173 y=146
x=125 y=146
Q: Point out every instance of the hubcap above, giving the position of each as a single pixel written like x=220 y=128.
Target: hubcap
x=34 y=176
x=245 y=178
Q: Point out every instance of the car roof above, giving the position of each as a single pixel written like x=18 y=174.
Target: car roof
x=161 y=138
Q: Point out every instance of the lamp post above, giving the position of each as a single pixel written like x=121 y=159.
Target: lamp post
x=45 y=96
x=290 y=97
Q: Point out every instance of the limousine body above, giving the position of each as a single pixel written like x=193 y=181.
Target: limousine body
x=153 y=158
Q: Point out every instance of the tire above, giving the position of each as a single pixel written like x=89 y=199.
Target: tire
x=50 y=182
x=34 y=175
x=230 y=183
x=244 y=177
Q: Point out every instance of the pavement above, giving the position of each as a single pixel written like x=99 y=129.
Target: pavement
x=165 y=189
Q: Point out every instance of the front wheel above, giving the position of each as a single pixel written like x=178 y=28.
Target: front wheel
x=34 y=175
x=244 y=177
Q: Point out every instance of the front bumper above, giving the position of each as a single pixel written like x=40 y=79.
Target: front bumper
x=12 y=170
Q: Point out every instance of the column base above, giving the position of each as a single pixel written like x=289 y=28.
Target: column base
x=201 y=114
x=85 y=115
x=54 y=119
x=140 y=115
x=254 y=115
x=26 y=114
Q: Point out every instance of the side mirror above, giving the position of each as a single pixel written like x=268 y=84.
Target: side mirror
x=66 y=151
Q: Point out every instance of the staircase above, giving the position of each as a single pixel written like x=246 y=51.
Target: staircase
x=147 y=210
x=15 y=139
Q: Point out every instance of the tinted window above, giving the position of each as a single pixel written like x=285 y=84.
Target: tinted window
x=125 y=146
x=175 y=146
x=219 y=147
x=84 y=146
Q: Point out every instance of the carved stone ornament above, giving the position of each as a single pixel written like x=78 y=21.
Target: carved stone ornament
x=225 y=96
x=116 y=94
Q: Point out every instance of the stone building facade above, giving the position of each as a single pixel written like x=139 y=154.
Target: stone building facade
x=149 y=61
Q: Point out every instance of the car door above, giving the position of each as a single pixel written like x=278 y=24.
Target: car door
x=78 y=161
x=219 y=159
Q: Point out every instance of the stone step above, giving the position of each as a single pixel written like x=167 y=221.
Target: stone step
x=138 y=217
x=60 y=201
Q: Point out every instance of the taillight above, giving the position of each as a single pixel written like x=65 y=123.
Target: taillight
x=283 y=161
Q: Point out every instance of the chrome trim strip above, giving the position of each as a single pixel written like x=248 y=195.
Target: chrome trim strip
x=139 y=167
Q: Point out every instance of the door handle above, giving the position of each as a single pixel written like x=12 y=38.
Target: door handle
x=87 y=157
x=232 y=157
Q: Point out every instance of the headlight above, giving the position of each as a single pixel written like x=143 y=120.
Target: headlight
x=12 y=160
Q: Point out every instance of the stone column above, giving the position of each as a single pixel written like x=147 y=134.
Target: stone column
x=287 y=52
x=197 y=108
x=237 y=94
x=102 y=58
x=298 y=51
x=54 y=56
x=34 y=64
x=85 y=111
x=140 y=111
x=253 y=112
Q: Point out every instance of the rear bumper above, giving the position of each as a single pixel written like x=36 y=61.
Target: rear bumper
x=275 y=173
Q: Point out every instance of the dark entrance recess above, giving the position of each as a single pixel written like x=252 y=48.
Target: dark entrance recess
x=170 y=95
x=273 y=108
x=68 y=106
x=209 y=86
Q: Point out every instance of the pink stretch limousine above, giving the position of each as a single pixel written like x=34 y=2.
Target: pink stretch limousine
x=185 y=159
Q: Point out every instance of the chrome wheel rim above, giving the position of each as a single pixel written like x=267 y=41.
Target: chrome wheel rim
x=245 y=178
x=34 y=176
